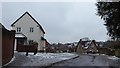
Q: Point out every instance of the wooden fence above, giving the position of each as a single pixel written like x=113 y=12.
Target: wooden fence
x=8 y=38
x=27 y=48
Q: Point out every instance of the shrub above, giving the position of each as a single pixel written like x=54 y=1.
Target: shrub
x=35 y=43
x=112 y=44
x=117 y=53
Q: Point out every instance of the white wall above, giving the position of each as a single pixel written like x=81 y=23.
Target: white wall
x=15 y=44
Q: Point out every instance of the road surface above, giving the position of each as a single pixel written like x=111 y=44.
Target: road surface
x=89 y=61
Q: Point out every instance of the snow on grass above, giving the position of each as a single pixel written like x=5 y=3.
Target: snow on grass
x=103 y=54
x=51 y=55
x=64 y=58
x=40 y=59
x=94 y=54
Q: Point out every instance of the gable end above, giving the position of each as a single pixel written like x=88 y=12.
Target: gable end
x=32 y=18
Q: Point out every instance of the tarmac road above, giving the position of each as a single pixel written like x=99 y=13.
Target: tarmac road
x=88 y=61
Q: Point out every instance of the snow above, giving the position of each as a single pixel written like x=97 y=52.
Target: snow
x=40 y=59
x=113 y=57
x=19 y=35
x=103 y=54
x=95 y=54
x=48 y=58
x=86 y=47
x=53 y=55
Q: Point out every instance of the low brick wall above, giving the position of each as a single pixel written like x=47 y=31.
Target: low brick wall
x=8 y=38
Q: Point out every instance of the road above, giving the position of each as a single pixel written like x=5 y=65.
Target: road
x=89 y=61
x=83 y=61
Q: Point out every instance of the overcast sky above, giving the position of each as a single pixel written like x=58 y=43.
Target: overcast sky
x=62 y=21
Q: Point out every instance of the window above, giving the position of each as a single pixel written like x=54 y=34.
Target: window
x=30 y=42
x=18 y=29
x=31 y=29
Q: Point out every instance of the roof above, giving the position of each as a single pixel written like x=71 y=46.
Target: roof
x=32 y=18
x=20 y=35
x=86 y=44
x=94 y=43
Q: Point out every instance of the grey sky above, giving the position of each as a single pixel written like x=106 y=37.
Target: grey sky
x=0 y=11
x=62 y=21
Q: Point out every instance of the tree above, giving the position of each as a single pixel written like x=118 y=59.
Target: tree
x=110 y=13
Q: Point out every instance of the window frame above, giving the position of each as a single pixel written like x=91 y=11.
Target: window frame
x=31 y=29
x=18 y=29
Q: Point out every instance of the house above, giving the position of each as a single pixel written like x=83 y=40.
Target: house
x=71 y=46
x=28 y=31
x=92 y=47
x=86 y=46
x=51 y=48
x=59 y=48
x=81 y=46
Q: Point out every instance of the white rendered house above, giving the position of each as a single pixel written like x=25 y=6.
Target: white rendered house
x=28 y=30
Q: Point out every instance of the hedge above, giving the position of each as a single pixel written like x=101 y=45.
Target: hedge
x=117 y=53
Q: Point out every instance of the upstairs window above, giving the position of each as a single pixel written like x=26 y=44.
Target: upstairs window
x=31 y=29
x=18 y=29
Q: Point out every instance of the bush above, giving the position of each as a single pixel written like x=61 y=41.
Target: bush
x=112 y=44
x=117 y=53
x=35 y=43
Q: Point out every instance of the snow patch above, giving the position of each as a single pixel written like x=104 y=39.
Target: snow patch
x=113 y=57
x=95 y=54
x=42 y=59
x=64 y=58
x=103 y=54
